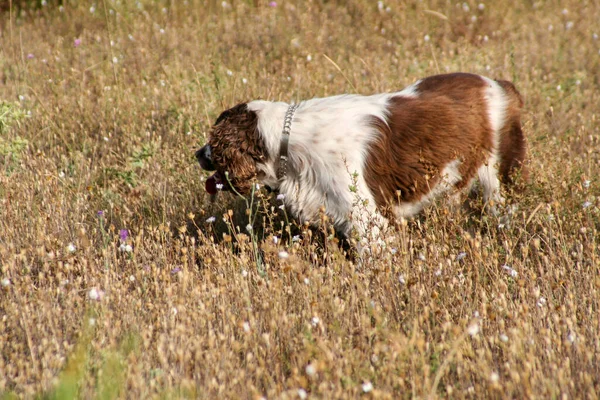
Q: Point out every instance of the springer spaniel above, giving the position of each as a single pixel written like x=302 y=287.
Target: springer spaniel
x=363 y=157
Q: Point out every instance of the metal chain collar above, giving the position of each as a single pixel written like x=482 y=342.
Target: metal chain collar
x=285 y=140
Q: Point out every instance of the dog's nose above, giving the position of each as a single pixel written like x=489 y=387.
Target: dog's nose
x=204 y=158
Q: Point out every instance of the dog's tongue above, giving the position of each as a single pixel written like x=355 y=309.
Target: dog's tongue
x=211 y=185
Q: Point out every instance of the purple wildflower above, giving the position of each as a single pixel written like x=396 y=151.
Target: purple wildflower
x=30 y=56
x=77 y=42
x=123 y=234
x=100 y=214
x=273 y=4
x=175 y=270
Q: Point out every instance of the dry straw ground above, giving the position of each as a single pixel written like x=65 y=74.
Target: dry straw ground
x=102 y=106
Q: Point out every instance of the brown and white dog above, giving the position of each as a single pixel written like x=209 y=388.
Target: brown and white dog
x=360 y=155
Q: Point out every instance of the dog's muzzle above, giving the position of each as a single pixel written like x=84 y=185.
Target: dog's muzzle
x=204 y=157
x=214 y=183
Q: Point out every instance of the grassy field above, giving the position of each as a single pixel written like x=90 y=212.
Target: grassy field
x=116 y=282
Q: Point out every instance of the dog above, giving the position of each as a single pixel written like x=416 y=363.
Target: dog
x=368 y=158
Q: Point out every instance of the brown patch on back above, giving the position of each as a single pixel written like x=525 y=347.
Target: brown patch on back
x=237 y=146
x=445 y=122
x=513 y=147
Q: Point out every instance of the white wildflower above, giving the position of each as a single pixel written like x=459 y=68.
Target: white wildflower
x=426 y=38
x=246 y=326
x=244 y=81
x=367 y=387
x=284 y=255
x=494 y=377
x=244 y=273
x=71 y=248
x=309 y=58
x=229 y=72
x=586 y=204
x=569 y=25
x=306 y=281
x=302 y=394
x=219 y=186
x=126 y=248
x=280 y=196
x=481 y=6
x=503 y=338
x=460 y=256
x=93 y=8
x=315 y=321
x=586 y=184
x=275 y=239
x=5 y=282
x=401 y=279
x=473 y=329
x=310 y=370
x=510 y=271
x=249 y=228
x=541 y=302
x=296 y=238
x=131 y=278
x=571 y=337
x=380 y=5
x=94 y=294
x=466 y=7
x=92 y=321
x=210 y=220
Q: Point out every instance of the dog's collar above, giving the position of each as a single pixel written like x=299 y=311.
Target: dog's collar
x=285 y=141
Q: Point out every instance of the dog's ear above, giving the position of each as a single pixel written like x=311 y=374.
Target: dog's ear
x=232 y=112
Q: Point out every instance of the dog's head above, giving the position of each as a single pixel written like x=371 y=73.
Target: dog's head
x=234 y=149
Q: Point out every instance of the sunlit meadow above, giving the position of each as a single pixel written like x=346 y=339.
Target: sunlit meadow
x=120 y=279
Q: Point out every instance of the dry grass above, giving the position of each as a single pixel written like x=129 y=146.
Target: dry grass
x=111 y=125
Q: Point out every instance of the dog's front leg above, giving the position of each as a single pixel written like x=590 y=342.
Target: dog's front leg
x=369 y=228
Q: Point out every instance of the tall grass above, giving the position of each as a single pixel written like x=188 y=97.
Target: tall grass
x=102 y=105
